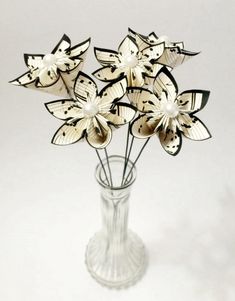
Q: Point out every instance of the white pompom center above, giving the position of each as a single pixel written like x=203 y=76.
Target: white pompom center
x=90 y=110
x=49 y=60
x=170 y=109
x=131 y=61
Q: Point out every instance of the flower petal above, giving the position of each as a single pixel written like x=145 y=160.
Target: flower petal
x=135 y=77
x=165 y=83
x=85 y=88
x=64 y=109
x=112 y=93
x=151 y=70
x=106 y=56
x=171 y=140
x=25 y=79
x=108 y=73
x=128 y=47
x=47 y=77
x=193 y=128
x=99 y=133
x=121 y=113
x=140 y=40
x=67 y=64
x=70 y=133
x=192 y=100
x=143 y=99
x=143 y=127
x=33 y=61
x=175 y=56
x=79 y=49
x=152 y=53
x=63 y=45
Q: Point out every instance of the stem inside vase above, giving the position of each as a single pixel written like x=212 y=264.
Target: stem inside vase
x=115 y=256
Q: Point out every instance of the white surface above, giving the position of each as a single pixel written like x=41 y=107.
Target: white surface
x=183 y=207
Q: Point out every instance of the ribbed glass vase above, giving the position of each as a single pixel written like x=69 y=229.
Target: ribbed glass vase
x=115 y=256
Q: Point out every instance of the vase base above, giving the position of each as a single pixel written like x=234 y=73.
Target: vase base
x=117 y=268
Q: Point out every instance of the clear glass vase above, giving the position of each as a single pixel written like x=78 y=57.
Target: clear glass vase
x=115 y=256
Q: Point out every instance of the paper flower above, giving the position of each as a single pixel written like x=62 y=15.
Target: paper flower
x=174 y=53
x=168 y=114
x=91 y=114
x=130 y=61
x=54 y=72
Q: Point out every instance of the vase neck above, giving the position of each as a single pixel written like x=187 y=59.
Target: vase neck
x=115 y=205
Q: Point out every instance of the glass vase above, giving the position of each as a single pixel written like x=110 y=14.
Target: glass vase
x=115 y=256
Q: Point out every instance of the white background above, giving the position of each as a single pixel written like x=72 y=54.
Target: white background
x=183 y=207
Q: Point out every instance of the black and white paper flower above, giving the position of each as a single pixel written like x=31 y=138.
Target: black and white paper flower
x=54 y=72
x=91 y=114
x=174 y=53
x=129 y=60
x=168 y=114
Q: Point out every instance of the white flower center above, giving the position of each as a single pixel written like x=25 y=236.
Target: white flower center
x=170 y=109
x=49 y=60
x=90 y=110
x=130 y=61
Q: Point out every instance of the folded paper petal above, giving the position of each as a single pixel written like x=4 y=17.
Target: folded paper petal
x=25 y=79
x=106 y=56
x=112 y=93
x=143 y=127
x=70 y=133
x=99 y=133
x=151 y=70
x=64 y=109
x=140 y=41
x=175 y=56
x=47 y=77
x=171 y=140
x=79 y=49
x=85 y=88
x=120 y=114
x=66 y=64
x=33 y=61
x=108 y=73
x=193 y=128
x=153 y=53
x=165 y=83
x=192 y=100
x=135 y=77
x=143 y=99
x=63 y=45
x=128 y=47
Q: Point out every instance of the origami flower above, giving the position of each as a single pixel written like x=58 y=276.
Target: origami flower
x=174 y=53
x=91 y=114
x=168 y=114
x=129 y=60
x=54 y=72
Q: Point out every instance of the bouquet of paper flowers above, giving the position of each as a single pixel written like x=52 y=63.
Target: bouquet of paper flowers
x=140 y=92
x=141 y=70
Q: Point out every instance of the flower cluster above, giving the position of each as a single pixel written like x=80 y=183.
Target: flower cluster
x=141 y=69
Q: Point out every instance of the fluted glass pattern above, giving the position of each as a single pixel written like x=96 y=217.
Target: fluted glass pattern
x=115 y=256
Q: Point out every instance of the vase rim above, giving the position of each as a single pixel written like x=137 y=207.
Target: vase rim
x=113 y=158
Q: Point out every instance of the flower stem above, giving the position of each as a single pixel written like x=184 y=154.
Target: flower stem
x=137 y=158
x=110 y=173
x=98 y=155
x=127 y=158
x=126 y=150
